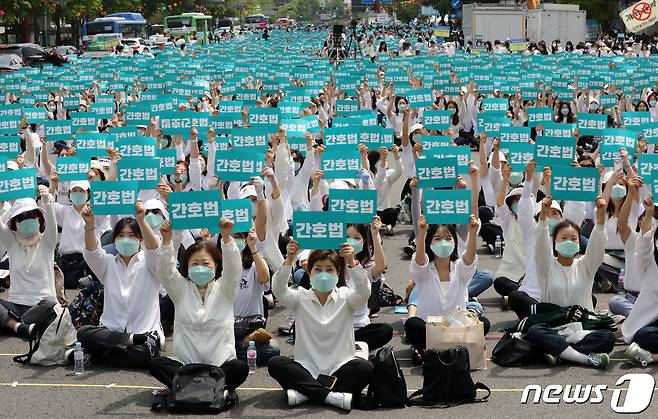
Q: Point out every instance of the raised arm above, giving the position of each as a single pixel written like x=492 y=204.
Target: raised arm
x=593 y=257
x=543 y=245
x=288 y=297
x=421 y=258
x=378 y=248
x=634 y=185
x=357 y=297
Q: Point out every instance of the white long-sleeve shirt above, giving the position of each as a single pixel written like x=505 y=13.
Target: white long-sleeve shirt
x=568 y=285
x=436 y=297
x=31 y=267
x=645 y=309
x=527 y=223
x=324 y=339
x=384 y=180
x=131 y=302
x=203 y=327
x=512 y=264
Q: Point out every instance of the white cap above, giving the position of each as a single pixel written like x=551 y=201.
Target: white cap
x=153 y=204
x=303 y=255
x=25 y=205
x=554 y=204
x=515 y=192
x=82 y=184
x=415 y=127
x=607 y=176
x=501 y=156
x=339 y=184
x=248 y=191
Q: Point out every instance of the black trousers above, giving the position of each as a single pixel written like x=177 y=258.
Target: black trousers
x=375 y=335
x=73 y=267
x=489 y=231
x=647 y=337
x=505 y=286
x=520 y=303
x=389 y=216
x=164 y=369
x=548 y=341
x=23 y=313
x=352 y=377
x=111 y=348
x=167 y=312
x=414 y=330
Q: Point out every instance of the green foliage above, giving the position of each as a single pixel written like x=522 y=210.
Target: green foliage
x=405 y=10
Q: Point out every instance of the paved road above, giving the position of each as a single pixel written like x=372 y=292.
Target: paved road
x=27 y=392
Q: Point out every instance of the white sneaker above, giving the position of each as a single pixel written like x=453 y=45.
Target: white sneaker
x=295 y=398
x=339 y=400
x=638 y=355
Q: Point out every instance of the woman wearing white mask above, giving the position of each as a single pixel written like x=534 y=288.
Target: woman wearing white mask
x=129 y=334
x=441 y=277
x=30 y=237
x=203 y=292
x=566 y=281
x=325 y=369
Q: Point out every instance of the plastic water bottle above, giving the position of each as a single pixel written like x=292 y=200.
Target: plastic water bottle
x=251 y=357
x=498 y=247
x=620 y=280
x=78 y=359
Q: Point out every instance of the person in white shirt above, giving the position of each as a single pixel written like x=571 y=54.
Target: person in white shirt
x=30 y=237
x=129 y=334
x=566 y=281
x=441 y=277
x=203 y=293
x=640 y=329
x=384 y=178
x=324 y=333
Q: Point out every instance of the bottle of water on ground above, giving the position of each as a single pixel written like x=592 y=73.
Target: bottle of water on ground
x=498 y=247
x=78 y=359
x=251 y=357
x=620 y=281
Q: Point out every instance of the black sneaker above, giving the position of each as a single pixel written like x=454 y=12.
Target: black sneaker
x=153 y=343
x=410 y=249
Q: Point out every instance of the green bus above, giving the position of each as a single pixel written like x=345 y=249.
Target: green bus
x=191 y=26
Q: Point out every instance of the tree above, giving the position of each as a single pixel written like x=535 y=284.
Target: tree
x=336 y=6
x=405 y=10
x=605 y=11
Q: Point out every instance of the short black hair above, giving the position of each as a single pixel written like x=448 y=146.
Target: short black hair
x=129 y=222
x=203 y=245
x=431 y=231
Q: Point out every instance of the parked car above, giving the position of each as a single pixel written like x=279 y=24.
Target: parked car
x=33 y=55
x=10 y=62
x=66 y=50
x=135 y=44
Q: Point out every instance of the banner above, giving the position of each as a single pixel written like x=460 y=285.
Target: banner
x=552 y=151
x=143 y=170
x=138 y=147
x=514 y=135
x=358 y=205
x=436 y=173
x=10 y=144
x=537 y=116
x=437 y=119
x=253 y=139
x=447 y=206
x=462 y=153
x=195 y=209
x=376 y=137
x=9 y=124
x=239 y=165
x=238 y=211
x=420 y=98
x=640 y=16
x=495 y=105
x=266 y=118
x=574 y=183
x=647 y=167
x=592 y=123
x=520 y=154
x=168 y=160
x=432 y=141
x=114 y=197
x=180 y=123
x=554 y=129
x=318 y=230
x=650 y=132
x=343 y=164
x=346 y=138
x=16 y=184
x=619 y=137
x=490 y=123
x=93 y=144
x=58 y=130
x=70 y=168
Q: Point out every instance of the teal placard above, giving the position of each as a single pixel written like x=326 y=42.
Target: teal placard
x=619 y=137
x=180 y=123
x=70 y=168
x=634 y=120
x=195 y=209
x=436 y=173
x=610 y=153
x=138 y=114
x=84 y=120
x=447 y=206
x=647 y=167
x=238 y=211
x=554 y=151
x=126 y=132
x=554 y=129
x=345 y=138
x=541 y=115
x=93 y=144
x=10 y=145
x=462 y=153
x=347 y=105
x=291 y=109
x=71 y=102
x=359 y=206
x=16 y=184
x=491 y=124
x=103 y=110
x=608 y=101
x=420 y=98
x=168 y=160
x=225 y=122
x=35 y=115
x=114 y=197
x=650 y=132
x=265 y=118
x=143 y=170
x=9 y=124
x=574 y=183
x=319 y=230
x=519 y=155
x=58 y=130
x=514 y=135
x=232 y=106
x=376 y=137
x=592 y=123
x=238 y=165
x=342 y=164
x=137 y=147
x=432 y=141
x=250 y=139
x=495 y=105
x=437 y=119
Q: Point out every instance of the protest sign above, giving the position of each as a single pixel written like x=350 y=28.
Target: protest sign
x=143 y=170
x=447 y=206
x=195 y=209
x=238 y=165
x=16 y=184
x=238 y=211
x=436 y=173
x=343 y=164
x=319 y=229
x=70 y=168
x=574 y=183
x=358 y=205
x=114 y=197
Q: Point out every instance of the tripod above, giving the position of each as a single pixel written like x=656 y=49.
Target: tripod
x=353 y=43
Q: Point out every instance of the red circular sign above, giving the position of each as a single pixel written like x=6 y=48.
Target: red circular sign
x=641 y=11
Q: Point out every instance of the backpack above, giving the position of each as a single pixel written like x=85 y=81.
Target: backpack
x=447 y=380
x=87 y=307
x=55 y=335
x=196 y=388
x=388 y=298
x=387 y=388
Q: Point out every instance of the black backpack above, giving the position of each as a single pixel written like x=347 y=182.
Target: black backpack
x=387 y=387
x=197 y=388
x=388 y=297
x=447 y=380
